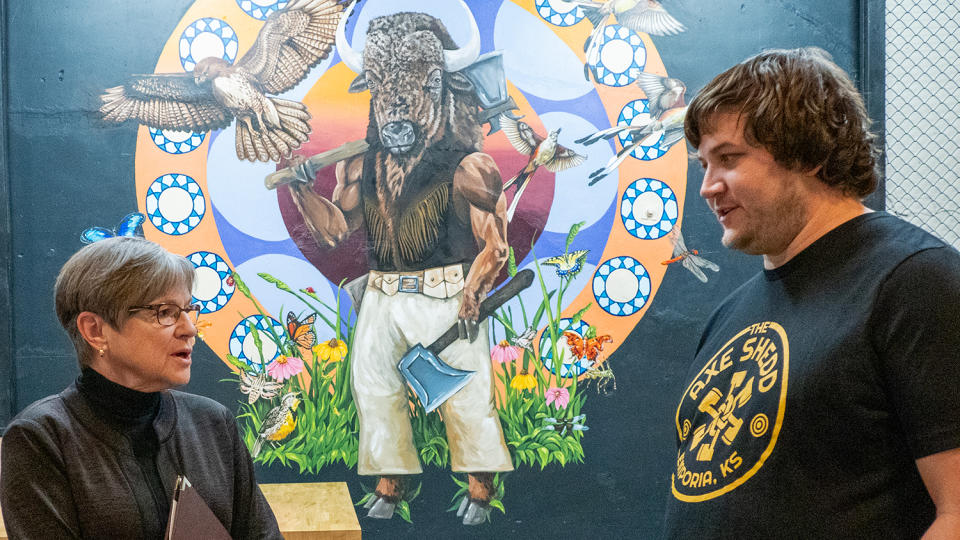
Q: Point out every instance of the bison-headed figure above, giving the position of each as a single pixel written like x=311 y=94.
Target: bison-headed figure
x=423 y=118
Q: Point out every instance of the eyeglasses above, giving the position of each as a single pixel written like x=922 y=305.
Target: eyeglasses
x=167 y=314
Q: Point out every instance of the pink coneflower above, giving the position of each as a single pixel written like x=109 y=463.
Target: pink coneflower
x=504 y=352
x=284 y=367
x=559 y=397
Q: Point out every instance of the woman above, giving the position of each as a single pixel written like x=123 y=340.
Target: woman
x=100 y=459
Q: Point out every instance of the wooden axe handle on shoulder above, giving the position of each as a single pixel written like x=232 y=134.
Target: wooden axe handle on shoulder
x=519 y=282
x=308 y=169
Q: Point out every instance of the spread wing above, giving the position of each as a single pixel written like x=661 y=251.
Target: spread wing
x=291 y=42
x=563 y=159
x=652 y=85
x=648 y=16
x=165 y=101
x=520 y=135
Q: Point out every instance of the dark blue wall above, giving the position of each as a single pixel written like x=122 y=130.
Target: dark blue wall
x=67 y=171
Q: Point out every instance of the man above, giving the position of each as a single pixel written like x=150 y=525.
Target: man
x=824 y=400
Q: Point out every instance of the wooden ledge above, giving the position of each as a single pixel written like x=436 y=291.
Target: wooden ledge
x=315 y=510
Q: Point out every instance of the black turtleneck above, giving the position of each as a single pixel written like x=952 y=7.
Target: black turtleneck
x=131 y=413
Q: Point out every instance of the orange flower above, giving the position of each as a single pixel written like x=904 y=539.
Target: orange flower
x=334 y=350
x=201 y=326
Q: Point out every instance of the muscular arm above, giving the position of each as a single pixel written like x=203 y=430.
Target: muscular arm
x=331 y=222
x=478 y=197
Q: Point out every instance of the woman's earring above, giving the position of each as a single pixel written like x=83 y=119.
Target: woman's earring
x=101 y=351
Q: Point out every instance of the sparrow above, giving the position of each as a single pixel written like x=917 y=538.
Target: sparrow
x=278 y=423
x=289 y=44
x=543 y=151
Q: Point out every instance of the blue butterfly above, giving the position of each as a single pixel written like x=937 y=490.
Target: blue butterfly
x=130 y=225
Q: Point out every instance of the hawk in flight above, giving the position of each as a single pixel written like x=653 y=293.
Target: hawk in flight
x=290 y=42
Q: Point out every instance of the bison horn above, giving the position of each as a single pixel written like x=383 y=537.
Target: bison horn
x=350 y=57
x=458 y=59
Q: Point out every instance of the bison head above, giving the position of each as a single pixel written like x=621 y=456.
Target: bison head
x=410 y=66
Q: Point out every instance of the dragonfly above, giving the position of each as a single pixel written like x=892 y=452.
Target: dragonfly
x=690 y=259
x=565 y=425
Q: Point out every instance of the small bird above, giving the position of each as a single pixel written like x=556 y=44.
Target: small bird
x=647 y=16
x=289 y=44
x=279 y=422
x=669 y=127
x=689 y=258
x=543 y=151
x=663 y=93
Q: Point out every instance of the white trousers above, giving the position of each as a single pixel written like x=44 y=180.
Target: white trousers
x=387 y=327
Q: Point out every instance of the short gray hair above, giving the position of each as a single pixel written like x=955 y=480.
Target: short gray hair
x=110 y=276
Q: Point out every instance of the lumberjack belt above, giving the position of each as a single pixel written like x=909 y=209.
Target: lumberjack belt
x=438 y=282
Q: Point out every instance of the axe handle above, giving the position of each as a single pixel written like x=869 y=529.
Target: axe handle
x=315 y=163
x=521 y=281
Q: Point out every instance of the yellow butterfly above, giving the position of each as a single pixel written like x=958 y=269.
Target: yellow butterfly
x=257 y=386
x=568 y=264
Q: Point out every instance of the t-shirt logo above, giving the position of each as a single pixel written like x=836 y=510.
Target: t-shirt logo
x=730 y=415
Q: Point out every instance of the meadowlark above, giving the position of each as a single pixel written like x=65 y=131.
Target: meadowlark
x=279 y=422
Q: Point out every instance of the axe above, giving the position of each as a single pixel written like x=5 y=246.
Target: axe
x=432 y=379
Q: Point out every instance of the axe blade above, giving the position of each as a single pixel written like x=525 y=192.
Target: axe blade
x=432 y=379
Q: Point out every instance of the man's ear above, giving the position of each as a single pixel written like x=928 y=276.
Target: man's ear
x=91 y=327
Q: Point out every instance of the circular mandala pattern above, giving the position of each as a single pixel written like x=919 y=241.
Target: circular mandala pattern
x=649 y=209
x=621 y=286
x=637 y=113
x=213 y=284
x=571 y=365
x=261 y=9
x=559 y=13
x=207 y=37
x=175 y=204
x=621 y=56
x=176 y=142
x=244 y=347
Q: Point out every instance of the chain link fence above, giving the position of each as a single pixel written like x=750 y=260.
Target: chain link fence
x=923 y=114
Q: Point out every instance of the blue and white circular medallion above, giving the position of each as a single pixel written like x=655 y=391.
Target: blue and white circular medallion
x=261 y=9
x=621 y=286
x=207 y=37
x=571 y=365
x=175 y=204
x=637 y=113
x=620 y=56
x=244 y=346
x=649 y=209
x=213 y=284
x=559 y=12
x=176 y=142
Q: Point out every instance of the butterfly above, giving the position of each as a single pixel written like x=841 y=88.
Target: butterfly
x=563 y=425
x=301 y=332
x=568 y=264
x=257 y=386
x=130 y=225
x=525 y=340
x=689 y=258
x=586 y=347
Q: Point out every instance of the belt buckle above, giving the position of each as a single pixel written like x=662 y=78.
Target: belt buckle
x=409 y=284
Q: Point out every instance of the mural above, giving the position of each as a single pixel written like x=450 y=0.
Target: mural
x=393 y=163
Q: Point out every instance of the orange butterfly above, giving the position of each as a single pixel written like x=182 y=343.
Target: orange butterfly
x=588 y=348
x=301 y=332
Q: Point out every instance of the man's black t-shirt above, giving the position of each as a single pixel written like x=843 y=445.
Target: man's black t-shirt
x=815 y=388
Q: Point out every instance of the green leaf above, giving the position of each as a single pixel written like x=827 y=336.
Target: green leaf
x=237 y=362
x=511 y=262
x=590 y=333
x=574 y=229
x=403 y=510
x=560 y=457
x=240 y=285
x=279 y=284
x=498 y=505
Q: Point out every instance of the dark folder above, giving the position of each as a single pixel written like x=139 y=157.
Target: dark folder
x=190 y=517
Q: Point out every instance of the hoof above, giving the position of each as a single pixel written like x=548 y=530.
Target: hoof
x=473 y=512
x=378 y=508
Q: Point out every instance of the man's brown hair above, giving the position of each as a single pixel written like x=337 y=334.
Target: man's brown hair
x=799 y=106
